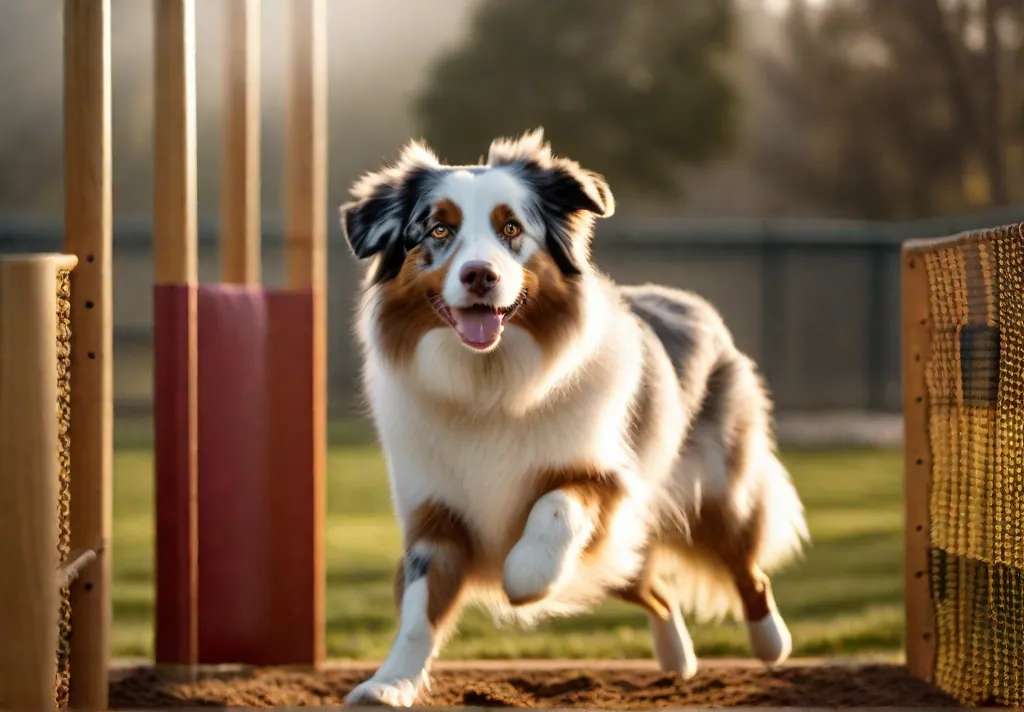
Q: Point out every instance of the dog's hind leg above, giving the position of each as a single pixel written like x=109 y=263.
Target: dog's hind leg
x=428 y=590
x=767 y=632
x=673 y=646
x=735 y=545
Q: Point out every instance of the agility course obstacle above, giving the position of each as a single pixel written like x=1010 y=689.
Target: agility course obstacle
x=240 y=382
x=240 y=370
x=963 y=355
x=55 y=358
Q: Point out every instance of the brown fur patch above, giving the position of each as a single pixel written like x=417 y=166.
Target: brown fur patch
x=552 y=314
x=500 y=217
x=452 y=548
x=405 y=313
x=448 y=213
x=647 y=592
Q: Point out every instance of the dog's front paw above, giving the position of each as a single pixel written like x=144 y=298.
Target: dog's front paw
x=544 y=560
x=377 y=693
x=535 y=570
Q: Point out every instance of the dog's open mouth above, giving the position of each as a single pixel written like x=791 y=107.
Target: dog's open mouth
x=480 y=325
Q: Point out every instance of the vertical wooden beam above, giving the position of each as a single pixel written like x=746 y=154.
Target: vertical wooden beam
x=306 y=158
x=920 y=612
x=240 y=178
x=306 y=247
x=28 y=484
x=174 y=185
x=88 y=235
x=175 y=273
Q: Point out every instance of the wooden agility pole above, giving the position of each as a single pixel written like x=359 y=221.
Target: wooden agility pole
x=29 y=473
x=175 y=225
x=88 y=235
x=240 y=172
x=305 y=268
x=920 y=613
x=175 y=337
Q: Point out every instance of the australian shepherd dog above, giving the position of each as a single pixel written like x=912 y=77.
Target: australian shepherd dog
x=553 y=438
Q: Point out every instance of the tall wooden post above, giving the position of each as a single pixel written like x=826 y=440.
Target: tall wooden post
x=175 y=334
x=88 y=235
x=305 y=258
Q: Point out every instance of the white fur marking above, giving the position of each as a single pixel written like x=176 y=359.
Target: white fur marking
x=770 y=639
x=404 y=673
x=545 y=558
x=673 y=646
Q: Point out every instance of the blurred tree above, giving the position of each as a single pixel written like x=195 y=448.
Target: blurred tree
x=635 y=90
x=903 y=109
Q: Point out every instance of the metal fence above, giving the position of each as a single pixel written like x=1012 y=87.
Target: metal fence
x=816 y=303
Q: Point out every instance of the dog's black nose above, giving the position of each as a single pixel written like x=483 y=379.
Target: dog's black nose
x=478 y=277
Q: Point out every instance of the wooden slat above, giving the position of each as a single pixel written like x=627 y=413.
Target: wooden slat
x=175 y=273
x=240 y=178
x=28 y=484
x=306 y=247
x=88 y=232
x=920 y=612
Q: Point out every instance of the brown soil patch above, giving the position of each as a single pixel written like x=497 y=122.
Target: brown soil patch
x=865 y=685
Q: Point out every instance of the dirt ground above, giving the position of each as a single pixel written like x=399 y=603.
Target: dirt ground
x=865 y=685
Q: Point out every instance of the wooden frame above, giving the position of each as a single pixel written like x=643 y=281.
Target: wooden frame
x=28 y=379
x=916 y=329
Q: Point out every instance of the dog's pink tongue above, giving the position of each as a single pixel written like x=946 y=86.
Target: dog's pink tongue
x=477 y=326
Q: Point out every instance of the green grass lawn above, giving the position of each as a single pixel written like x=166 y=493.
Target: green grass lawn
x=844 y=598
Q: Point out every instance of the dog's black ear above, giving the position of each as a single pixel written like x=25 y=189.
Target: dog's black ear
x=375 y=223
x=568 y=196
x=566 y=188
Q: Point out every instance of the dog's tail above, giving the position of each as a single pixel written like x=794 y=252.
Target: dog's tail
x=785 y=532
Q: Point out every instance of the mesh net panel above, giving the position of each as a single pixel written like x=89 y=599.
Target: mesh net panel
x=64 y=500
x=975 y=381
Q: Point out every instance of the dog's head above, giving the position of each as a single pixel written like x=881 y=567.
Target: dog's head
x=472 y=248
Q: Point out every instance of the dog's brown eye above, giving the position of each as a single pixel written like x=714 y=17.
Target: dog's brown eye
x=441 y=232
x=512 y=229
